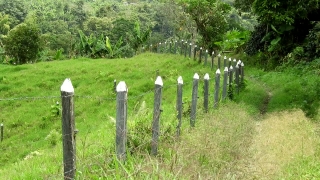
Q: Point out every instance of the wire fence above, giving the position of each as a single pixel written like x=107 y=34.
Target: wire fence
x=143 y=143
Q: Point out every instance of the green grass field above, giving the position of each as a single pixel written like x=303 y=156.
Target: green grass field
x=219 y=147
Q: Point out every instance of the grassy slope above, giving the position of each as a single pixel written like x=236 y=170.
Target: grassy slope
x=221 y=146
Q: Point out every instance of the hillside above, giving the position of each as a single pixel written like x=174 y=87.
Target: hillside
x=245 y=138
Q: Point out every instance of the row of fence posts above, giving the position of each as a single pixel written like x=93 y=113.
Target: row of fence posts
x=68 y=120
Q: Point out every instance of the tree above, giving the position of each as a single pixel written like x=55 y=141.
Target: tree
x=15 y=9
x=209 y=16
x=23 y=43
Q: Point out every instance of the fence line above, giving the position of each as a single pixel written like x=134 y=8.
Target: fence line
x=67 y=97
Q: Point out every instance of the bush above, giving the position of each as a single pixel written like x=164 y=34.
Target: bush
x=23 y=43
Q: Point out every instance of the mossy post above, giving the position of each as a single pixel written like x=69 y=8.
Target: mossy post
x=206 y=92
x=212 y=60
x=200 y=55
x=156 y=116
x=194 y=52
x=237 y=78
x=219 y=61
x=194 y=99
x=206 y=57
x=1 y=132
x=225 y=83
x=217 y=89
x=190 y=50
x=121 y=121
x=68 y=130
x=230 y=62
x=179 y=104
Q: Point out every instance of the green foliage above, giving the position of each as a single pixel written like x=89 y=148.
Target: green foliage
x=210 y=20
x=234 y=40
x=23 y=43
x=139 y=37
x=15 y=9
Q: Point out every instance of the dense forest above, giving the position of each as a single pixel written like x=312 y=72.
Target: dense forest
x=275 y=32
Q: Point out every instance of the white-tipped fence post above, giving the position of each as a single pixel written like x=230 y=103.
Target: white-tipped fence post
x=242 y=74
x=206 y=57
x=212 y=60
x=230 y=62
x=170 y=47
x=217 y=88
x=194 y=99
x=181 y=47
x=200 y=55
x=121 y=121
x=219 y=61
x=158 y=47
x=225 y=61
x=230 y=91
x=206 y=92
x=225 y=83
x=179 y=104
x=1 y=130
x=237 y=78
x=68 y=129
x=156 y=116
x=175 y=47
x=185 y=48
x=115 y=86
x=234 y=63
x=194 y=52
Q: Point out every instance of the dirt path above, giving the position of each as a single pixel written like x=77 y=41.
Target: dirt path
x=279 y=138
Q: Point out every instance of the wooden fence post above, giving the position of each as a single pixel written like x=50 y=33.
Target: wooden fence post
x=181 y=47
x=230 y=75
x=156 y=116
x=225 y=61
x=200 y=55
x=194 y=52
x=225 y=82
x=194 y=99
x=114 y=85
x=68 y=130
x=206 y=92
x=185 y=49
x=158 y=48
x=1 y=129
x=175 y=47
x=219 y=61
x=230 y=62
x=190 y=50
x=217 y=89
x=242 y=74
x=206 y=57
x=170 y=47
x=212 y=60
x=179 y=104
x=237 y=78
x=121 y=121
x=234 y=62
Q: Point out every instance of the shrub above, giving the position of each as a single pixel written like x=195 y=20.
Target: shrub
x=23 y=43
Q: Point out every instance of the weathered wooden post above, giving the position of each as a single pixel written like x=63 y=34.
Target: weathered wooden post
x=156 y=116
x=194 y=99
x=242 y=74
x=237 y=78
x=179 y=104
x=185 y=49
x=68 y=129
x=225 y=61
x=234 y=62
x=230 y=75
x=212 y=60
x=219 y=61
x=121 y=121
x=181 y=47
x=1 y=130
x=158 y=47
x=190 y=49
x=225 y=83
x=217 y=88
x=200 y=55
x=230 y=62
x=206 y=57
x=114 y=85
x=194 y=52
x=170 y=47
x=206 y=92
x=175 y=47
